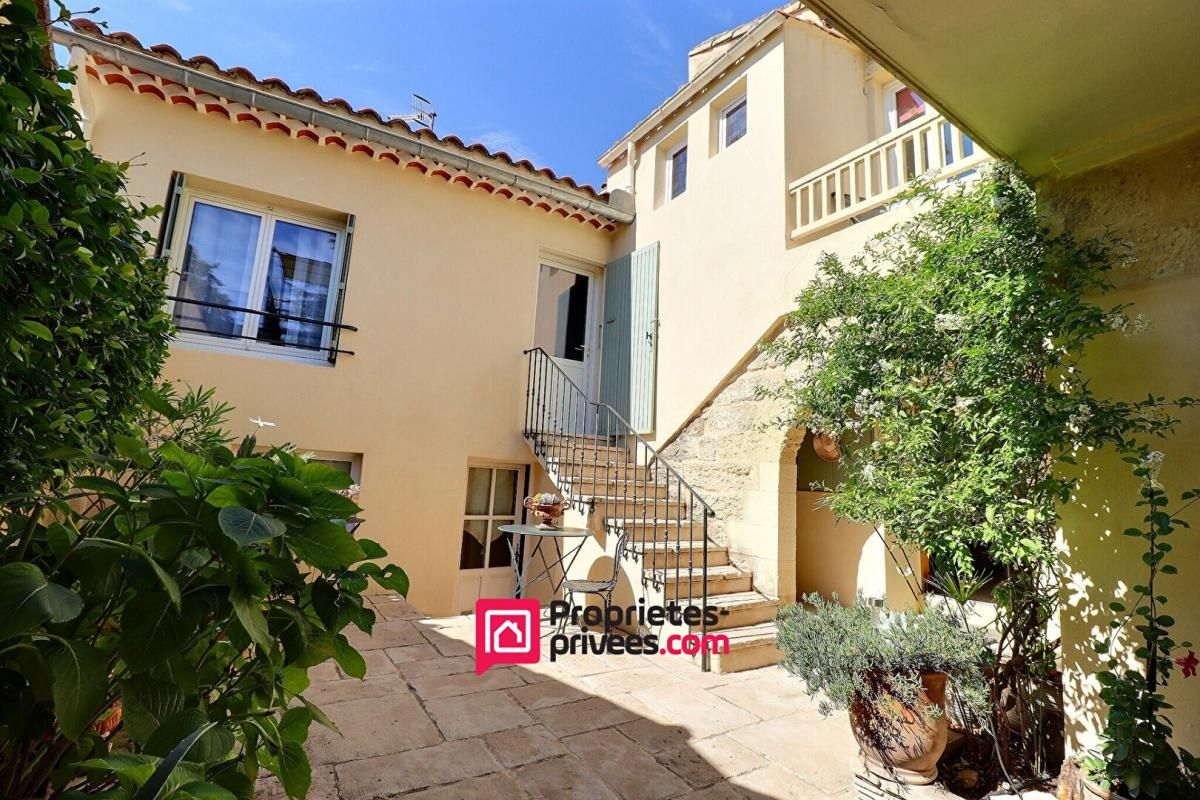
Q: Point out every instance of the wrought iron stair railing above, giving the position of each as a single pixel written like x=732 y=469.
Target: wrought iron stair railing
x=599 y=462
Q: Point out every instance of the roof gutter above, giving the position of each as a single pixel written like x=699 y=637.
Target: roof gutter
x=268 y=101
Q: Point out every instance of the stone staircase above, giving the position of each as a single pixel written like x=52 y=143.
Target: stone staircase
x=619 y=488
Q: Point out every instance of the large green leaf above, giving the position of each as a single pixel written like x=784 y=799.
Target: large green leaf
x=80 y=684
x=133 y=768
x=169 y=772
x=325 y=545
x=168 y=583
x=151 y=631
x=213 y=745
x=250 y=614
x=294 y=771
x=349 y=659
x=323 y=476
x=200 y=790
x=171 y=451
x=246 y=527
x=332 y=505
x=293 y=725
x=27 y=600
x=147 y=702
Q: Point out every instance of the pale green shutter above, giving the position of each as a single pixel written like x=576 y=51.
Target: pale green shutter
x=627 y=370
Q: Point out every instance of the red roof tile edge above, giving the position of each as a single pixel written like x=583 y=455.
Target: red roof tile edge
x=166 y=51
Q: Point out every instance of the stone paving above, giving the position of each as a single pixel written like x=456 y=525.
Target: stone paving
x=423 y=726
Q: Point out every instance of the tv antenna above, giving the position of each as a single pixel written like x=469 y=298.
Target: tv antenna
x=422 y=113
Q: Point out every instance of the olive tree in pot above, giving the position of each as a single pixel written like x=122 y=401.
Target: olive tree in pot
x=889 y=671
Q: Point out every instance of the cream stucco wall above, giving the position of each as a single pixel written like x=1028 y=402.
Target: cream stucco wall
x=729 y=272
x=442 y=283
x=1153 y=201
x=728 y=269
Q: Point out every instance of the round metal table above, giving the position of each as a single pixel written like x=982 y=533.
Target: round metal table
x=563 y=558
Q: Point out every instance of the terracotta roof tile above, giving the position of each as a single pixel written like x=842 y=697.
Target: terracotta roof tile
x=167 y=52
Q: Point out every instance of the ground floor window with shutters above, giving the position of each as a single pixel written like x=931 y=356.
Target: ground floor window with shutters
x=249 y=277
x=493 y=498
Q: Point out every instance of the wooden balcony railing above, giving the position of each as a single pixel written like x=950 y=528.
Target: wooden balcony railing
x=870 y=177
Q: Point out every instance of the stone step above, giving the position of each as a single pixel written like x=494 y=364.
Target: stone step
x=585 y=486
x=634 y=506
x=660 y=528
x=741 y=609
x=665 y=555
x=564 y=469
x=558 y=438
x=583 y=453
x=750 y=647
x=682 y=582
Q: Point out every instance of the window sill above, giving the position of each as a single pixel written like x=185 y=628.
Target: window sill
x=213 y=344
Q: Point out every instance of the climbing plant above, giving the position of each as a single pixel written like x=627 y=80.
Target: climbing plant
x=1137 y=756
x=81 y=313
x=947 y=359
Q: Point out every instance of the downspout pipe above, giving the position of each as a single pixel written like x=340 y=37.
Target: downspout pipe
x=267 y=101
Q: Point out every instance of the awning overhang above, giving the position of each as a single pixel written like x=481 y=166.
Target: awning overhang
x=1058 y=87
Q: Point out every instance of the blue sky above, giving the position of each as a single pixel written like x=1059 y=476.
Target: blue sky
x=554 y=81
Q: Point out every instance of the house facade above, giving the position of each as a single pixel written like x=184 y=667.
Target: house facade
x=458 y=330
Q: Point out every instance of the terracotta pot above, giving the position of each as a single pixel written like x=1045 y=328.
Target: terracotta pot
x=109 y=722
x=900 y=742
x=827 y=447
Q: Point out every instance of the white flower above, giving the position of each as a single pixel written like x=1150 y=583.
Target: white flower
x=947 y=322
x=868 y=474
x=963 y=404
x=1152 y=463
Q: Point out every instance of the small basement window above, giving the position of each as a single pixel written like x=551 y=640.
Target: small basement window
x=492 y=501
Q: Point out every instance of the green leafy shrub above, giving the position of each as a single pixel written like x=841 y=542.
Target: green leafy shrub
x=81 y=304
x=190 y=587
x=852 y=654
x=946 y=359
x=1137 y=756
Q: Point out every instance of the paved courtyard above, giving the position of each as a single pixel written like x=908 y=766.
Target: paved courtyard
x=422 y=725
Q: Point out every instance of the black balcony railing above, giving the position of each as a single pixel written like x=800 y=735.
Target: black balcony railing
x=596 y=457
x=332 y=349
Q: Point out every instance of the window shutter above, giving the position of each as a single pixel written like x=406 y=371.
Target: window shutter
x=166 y=227
x=628 y=358
x=336 y=333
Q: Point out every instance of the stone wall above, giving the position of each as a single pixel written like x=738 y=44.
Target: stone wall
x=744 y=466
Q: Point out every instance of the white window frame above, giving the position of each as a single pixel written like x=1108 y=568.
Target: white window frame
x=492 y=516
x=723 y=118
x=670 y=171
x=268 y=215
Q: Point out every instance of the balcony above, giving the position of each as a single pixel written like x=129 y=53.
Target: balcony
x=861 y=183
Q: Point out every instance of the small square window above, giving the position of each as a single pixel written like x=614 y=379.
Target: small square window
x=677 y=171
x=733 y=122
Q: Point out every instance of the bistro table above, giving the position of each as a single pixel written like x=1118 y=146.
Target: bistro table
x=563 y=557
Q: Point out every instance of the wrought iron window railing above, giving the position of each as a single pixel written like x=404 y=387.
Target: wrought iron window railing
x=332 y=349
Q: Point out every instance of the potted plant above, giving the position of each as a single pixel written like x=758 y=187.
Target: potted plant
x=547 y=507
x=889 y=671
